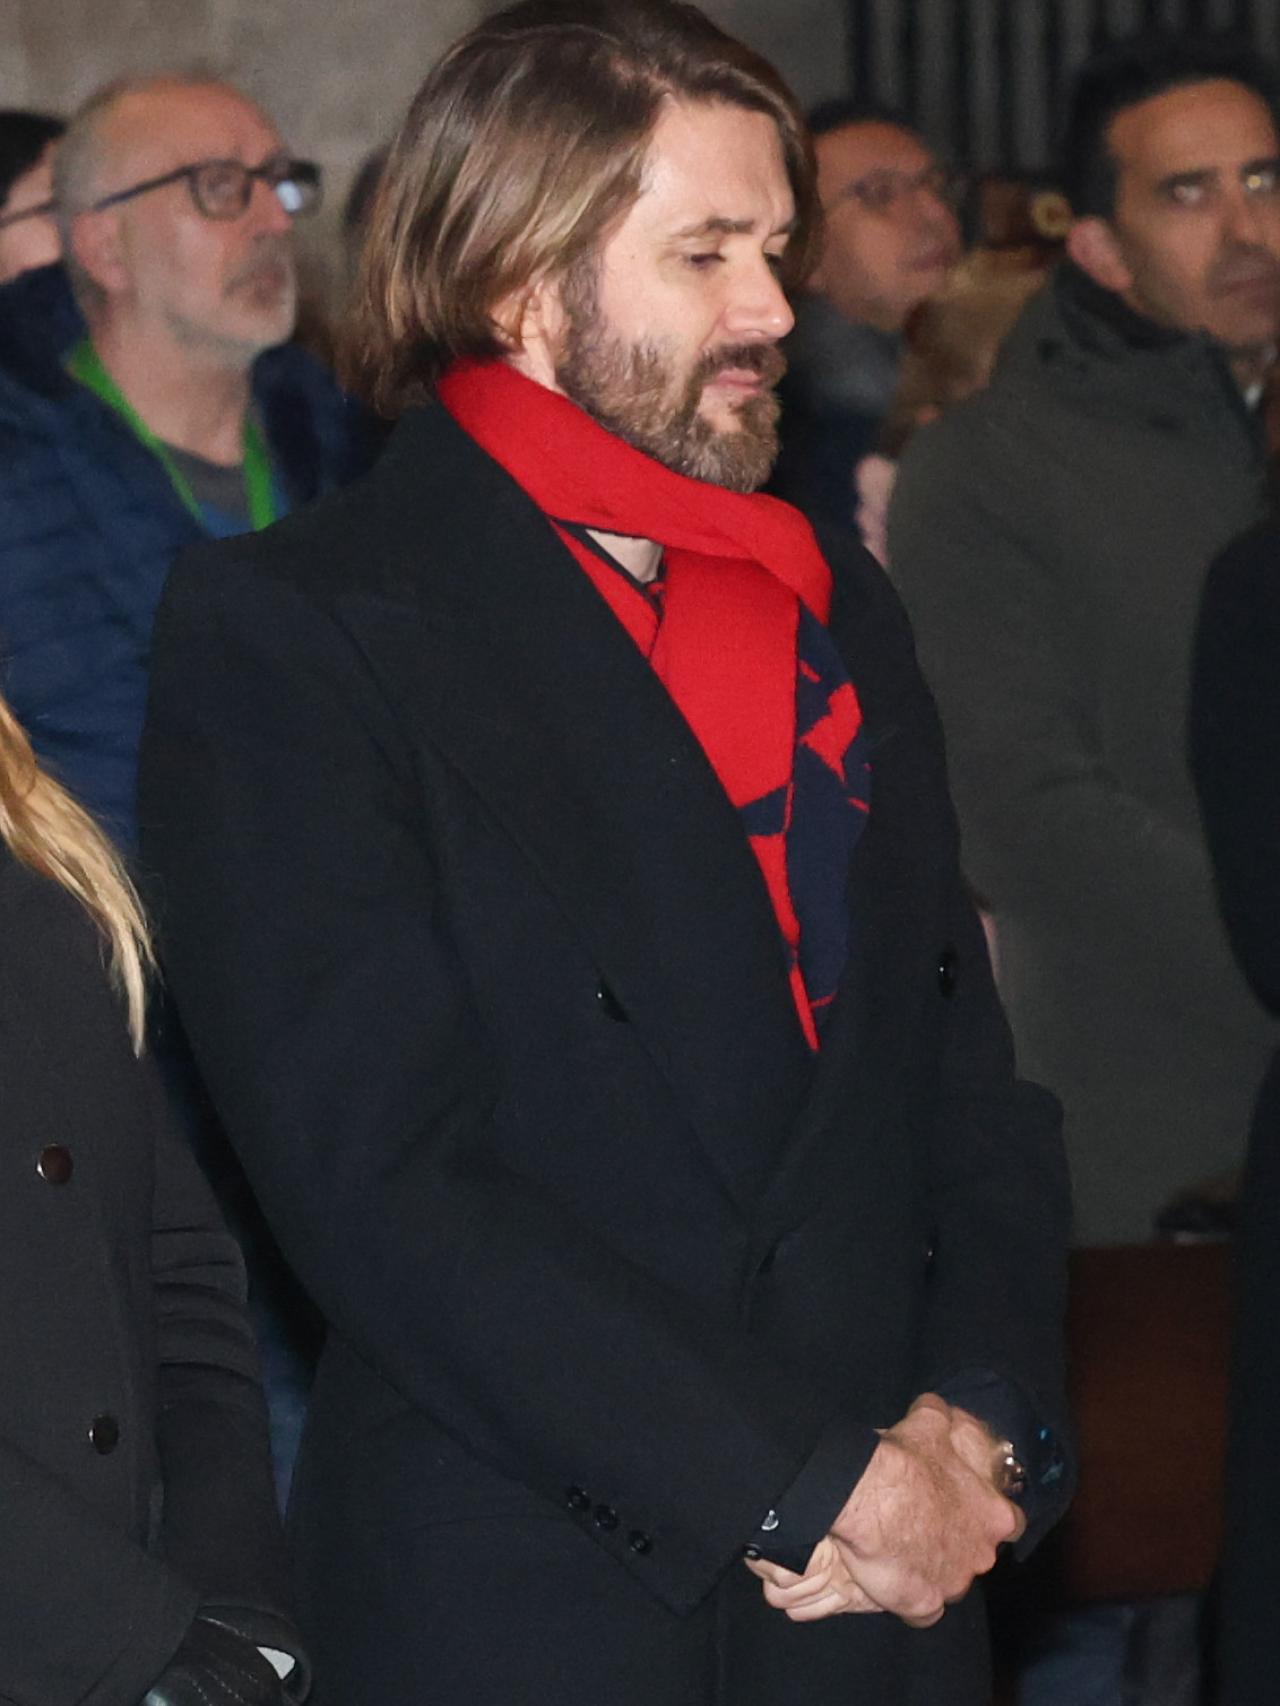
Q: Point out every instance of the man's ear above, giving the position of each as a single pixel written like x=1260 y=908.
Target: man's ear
x=1093 y=246
x=98 y=250
x=529 y=321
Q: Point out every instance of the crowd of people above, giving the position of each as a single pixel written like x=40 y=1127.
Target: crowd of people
x=509 y=866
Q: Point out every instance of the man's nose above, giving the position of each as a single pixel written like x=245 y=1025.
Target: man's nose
x=760 y=312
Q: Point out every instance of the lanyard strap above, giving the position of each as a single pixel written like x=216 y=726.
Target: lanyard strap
x=85 y=364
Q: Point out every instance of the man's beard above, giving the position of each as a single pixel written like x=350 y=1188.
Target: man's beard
x=633 y=391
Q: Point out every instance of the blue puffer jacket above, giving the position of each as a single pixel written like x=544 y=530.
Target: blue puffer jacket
x=89 y=526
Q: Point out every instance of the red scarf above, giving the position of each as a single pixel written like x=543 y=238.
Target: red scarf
x=738 y=568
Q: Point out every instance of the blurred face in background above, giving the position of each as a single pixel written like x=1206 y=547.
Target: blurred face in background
x=892 y=236
x=1194 y=240
x=223 y=289
x=31 y=242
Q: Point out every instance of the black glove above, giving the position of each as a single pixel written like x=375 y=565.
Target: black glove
x=215 y=1666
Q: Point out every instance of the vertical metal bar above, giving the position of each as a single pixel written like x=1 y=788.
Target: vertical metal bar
x=1053 y=78
x=985 y=153
x=909 y=50
x=1006 y=80
x=962 y=150
x=862 y=50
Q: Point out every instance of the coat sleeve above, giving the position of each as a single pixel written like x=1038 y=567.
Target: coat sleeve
x=221 y=1528
x=1235 y=748
x=296 y=893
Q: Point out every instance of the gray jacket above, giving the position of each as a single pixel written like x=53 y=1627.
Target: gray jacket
x=1050 y=538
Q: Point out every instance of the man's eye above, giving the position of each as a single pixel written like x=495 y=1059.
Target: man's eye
x=702 y=261
x=1188 y=194
x=1264 y=180
x=775 y=262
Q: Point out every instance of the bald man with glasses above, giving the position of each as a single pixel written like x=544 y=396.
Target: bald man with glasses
x=148 y=397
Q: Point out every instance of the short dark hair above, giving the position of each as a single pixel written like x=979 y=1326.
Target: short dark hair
x=24 y=136
x=842 y=111
x=523 y=147
x=1137 y=69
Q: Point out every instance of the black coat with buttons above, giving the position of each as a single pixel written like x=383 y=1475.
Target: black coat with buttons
x=478 y=965
x=134 y=1481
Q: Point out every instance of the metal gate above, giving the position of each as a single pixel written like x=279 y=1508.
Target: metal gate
x=986 y=79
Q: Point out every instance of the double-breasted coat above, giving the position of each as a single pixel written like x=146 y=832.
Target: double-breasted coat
x=134 y=1476
x=480 y=969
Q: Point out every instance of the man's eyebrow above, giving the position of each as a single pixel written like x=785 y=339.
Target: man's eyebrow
x=1198 y=175
x=720 y=226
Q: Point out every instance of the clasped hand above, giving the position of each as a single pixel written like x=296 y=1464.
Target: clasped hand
x=924 y=1520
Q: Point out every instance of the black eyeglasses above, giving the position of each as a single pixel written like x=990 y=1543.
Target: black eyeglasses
x=222 y=189
x=885 y=191
x=41 y=210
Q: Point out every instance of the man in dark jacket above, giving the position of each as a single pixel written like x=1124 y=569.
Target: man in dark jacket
x=1050 y=538
x=615 y=1054
x=148 y=397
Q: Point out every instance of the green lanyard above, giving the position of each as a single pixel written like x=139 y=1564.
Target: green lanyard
x=85 y=364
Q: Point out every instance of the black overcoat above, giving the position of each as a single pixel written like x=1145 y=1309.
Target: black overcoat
x=1235 y=755
x=480 y=969
x=134 y=1474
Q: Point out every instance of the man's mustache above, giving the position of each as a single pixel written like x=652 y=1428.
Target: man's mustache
x=272 y=254
x=1245 y=264
x=765 y=359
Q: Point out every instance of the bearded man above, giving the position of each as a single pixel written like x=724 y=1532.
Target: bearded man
x=561 y=893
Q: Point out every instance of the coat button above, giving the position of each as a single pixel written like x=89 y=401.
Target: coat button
x=639 y=1543
x=577 y=1500
x=606 y=1518
x=947 y=971
x=104 y=1435
x=610 y=1006
x=54 y=1164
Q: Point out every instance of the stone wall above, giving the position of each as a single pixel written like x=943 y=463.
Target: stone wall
x=335 y=77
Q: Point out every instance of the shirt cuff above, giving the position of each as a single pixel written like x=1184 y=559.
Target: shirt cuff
x=804 y=1513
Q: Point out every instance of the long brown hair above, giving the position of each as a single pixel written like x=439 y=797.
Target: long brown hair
x=45 y=829
x=522 y=148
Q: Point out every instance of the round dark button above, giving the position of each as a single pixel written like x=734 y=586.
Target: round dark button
x=104 y=1435
x=577 y=1500
x=639 y=1542
x=606 y=1518
x=54 y=1164
x=610 y=1006
x=947 y=971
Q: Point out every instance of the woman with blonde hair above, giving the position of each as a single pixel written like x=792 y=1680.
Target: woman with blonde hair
x=141 y=1563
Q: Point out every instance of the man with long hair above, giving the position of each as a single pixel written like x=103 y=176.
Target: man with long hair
x=561 y=893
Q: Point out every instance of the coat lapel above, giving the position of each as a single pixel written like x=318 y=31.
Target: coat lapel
x=515 y=669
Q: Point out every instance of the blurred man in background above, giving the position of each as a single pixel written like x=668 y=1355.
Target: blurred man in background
x=891 y=240
x=145 y=401
x=28 y=230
